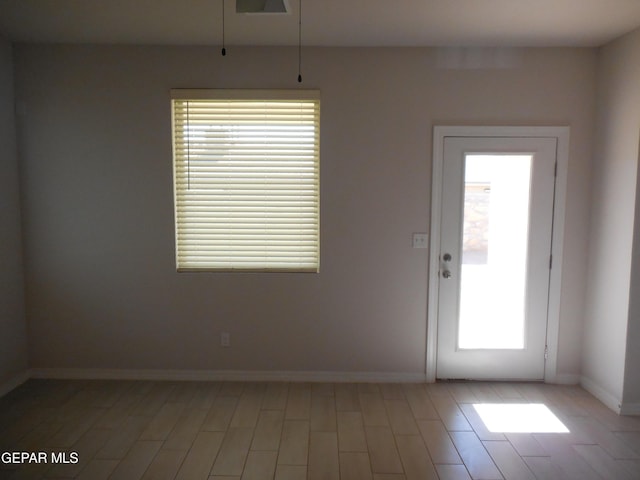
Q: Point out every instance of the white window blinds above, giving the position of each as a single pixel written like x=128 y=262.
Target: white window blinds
x=246 y=179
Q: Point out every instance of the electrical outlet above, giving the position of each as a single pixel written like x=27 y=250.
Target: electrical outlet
x=225 y=339
x=420 y=240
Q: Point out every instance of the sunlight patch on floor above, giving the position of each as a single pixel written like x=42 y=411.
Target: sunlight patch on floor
x=519 y=418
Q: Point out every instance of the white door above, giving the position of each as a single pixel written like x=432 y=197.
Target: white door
x=494 y=262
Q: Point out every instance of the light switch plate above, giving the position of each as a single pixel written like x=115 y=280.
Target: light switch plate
x=420 y=240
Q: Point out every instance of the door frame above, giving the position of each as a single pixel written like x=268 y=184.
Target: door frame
x=561 y=133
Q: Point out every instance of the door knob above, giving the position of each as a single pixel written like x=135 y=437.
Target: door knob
x=446 y=274
x=446 y=257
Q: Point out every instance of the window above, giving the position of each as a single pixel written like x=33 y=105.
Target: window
x=246 y=179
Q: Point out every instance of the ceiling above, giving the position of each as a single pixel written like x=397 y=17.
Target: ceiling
x=501 y=23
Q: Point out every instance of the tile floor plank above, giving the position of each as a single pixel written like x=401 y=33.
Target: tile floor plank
x=632 y=466
x=268 y=430
x=368 y=388
x=603 y=463
x=322 y=389
x=117 y=414
x=462 y=393
x=71 y=432
x=420 y=402
x=452 y=472
x=401 y=417
x=260 y=466
x=186 y=429
x=347 y=397
x=323 y=414
x=355 y=466
x=351 y=435
x=478 y=425
x=291 y=472
x=508 y=461
x=374 y=413
x=248 y=409
x=563 y=455
x=294 y=445
x=484 y=393
x=163 y=422
x=508 y=392
x=544 y=469
x=298 y=402
x=233 y=452
x=122 y=439
x=392 y=391
x=199 y=460
x=165 y=465
x=204 y=396
x=154 y=399
x=415 y=459
x=275 y=396
x=532 y=392
x=450 y=414
x=606 y=439
x=231 y=389
x=438 y=442
x=183 y=393
x=137 y=460
x=526 y=445
x=382 y=450
x=475 y=456
x=324 y=463
x=631 y=439
x=98 y=469
x=219 y=416
x=86 y=448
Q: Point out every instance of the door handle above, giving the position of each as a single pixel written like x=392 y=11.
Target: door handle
x=446 y=273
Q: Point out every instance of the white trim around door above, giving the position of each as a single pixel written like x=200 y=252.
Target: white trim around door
x=553 y=319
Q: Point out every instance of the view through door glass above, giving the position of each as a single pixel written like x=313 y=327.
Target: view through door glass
x=494 y=251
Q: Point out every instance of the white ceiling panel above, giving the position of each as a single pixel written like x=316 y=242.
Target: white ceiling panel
x=324 y=22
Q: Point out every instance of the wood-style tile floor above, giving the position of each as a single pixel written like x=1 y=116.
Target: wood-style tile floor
x=290 y=431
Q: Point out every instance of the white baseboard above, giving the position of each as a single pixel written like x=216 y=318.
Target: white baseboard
x=13 y=382
x=601 y=394
x=226 y=375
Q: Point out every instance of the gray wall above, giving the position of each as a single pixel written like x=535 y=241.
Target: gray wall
x=627 y=54
x=102 y=291
x=13 y=330
x=615 y=168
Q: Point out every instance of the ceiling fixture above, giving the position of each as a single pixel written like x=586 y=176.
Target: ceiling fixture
x=262 y=6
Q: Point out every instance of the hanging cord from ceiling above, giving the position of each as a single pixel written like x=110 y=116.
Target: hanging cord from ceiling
x=224 y=50
x=300 y=42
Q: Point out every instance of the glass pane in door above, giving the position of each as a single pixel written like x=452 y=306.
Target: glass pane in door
x=494 y=251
